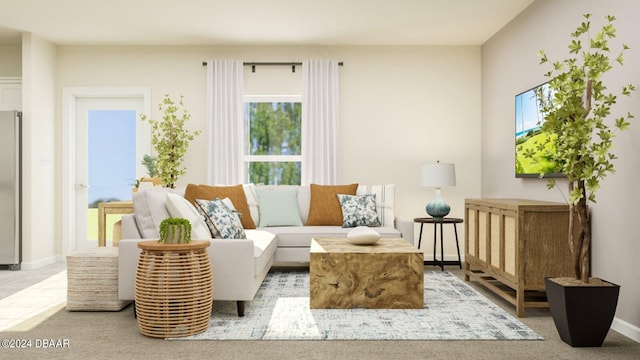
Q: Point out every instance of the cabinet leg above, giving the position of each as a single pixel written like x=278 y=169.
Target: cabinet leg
x=466 y=271
x=520 y=302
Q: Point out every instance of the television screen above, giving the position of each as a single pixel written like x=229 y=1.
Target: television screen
x=529 y=136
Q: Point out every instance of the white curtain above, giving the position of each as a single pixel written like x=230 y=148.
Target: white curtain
x=319 y=121
x=225 y=122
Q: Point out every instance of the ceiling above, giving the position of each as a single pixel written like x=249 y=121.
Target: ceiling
x=257 y=22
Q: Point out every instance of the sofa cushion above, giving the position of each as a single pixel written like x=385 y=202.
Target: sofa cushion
x=179 y=207
x=324 y=208
x=235 y=193
x=385 y=195
x=149 y=207
x=278 y=207
x=358 y=210
x=264 y=248
x=222 y=221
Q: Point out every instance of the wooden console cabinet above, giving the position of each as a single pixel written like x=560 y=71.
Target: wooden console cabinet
x=513 y=244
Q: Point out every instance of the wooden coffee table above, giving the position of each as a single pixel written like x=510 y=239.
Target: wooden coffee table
x=386 y=275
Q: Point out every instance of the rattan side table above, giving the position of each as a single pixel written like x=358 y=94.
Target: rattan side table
x=174 y=289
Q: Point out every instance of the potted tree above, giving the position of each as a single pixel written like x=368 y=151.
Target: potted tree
x=577 y=109
x=170 y=140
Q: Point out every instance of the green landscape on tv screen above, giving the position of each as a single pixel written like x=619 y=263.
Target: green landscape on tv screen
x=529 y=135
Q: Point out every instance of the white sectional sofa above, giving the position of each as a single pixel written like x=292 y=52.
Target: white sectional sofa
x=282 y=235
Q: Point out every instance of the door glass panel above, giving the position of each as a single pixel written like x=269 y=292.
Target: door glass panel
x=112 y=162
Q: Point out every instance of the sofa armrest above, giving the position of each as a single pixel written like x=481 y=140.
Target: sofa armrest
x=128 y=254
x=233 y=267
x=406 y=228
x=129 y=227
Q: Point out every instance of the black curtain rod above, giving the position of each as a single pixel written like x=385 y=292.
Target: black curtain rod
x=254 y=64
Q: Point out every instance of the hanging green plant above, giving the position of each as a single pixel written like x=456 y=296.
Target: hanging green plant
x=170 y=140
x=175 y=231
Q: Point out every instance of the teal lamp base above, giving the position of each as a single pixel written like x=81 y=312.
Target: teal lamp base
x=437 y=208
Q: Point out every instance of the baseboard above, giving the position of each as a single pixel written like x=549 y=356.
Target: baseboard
x=31 y=265
x=428 y=256
x=629 y=330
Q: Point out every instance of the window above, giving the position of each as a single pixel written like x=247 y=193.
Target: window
x=273 y=134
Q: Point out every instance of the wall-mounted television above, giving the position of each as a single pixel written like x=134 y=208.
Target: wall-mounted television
x=529 y=136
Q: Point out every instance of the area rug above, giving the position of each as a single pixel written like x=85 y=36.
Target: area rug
x=280 y=311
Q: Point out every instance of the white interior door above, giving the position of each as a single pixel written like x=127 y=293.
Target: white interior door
x=109 y=144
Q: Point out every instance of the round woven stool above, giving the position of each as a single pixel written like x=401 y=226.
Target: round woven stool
x=174 y=289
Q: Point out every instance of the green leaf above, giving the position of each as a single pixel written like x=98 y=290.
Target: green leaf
x=584 y=27
x=609 y=30
x=575 y=195
x=622 y=124
x=575 y=46
x=558 y=66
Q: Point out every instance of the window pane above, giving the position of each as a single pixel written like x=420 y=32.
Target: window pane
x=274 y=128
x=274 y=173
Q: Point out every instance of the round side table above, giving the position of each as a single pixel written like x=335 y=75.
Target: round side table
x=174 y=289
x=435 y=222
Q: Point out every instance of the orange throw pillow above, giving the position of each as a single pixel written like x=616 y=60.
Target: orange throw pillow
x=325 y=207
x=234 y=193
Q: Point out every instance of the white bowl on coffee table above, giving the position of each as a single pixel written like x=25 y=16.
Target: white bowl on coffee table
x=363 y=235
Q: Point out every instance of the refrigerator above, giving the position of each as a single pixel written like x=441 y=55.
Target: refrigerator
x=10 y=190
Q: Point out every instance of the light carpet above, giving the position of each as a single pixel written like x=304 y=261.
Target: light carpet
x=280 y=311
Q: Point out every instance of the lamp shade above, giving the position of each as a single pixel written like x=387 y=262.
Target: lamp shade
x=438 y=175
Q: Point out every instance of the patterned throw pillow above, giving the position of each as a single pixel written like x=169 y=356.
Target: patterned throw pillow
x=358 y=210
x=223 y=222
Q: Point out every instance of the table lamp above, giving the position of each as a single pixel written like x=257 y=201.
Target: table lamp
x=438 y=175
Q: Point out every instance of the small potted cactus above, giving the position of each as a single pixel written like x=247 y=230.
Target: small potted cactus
x=175 y=231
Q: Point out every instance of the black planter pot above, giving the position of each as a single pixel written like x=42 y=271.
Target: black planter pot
x=582 y=314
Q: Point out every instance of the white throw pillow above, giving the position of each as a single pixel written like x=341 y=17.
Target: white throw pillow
x=252 y=201
x=385 y=195
x=178 y=206
x=150 y=209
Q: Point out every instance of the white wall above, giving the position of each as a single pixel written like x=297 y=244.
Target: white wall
x=399 y=106
x=10 y=60
x=41 y=242
x=510 y=65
